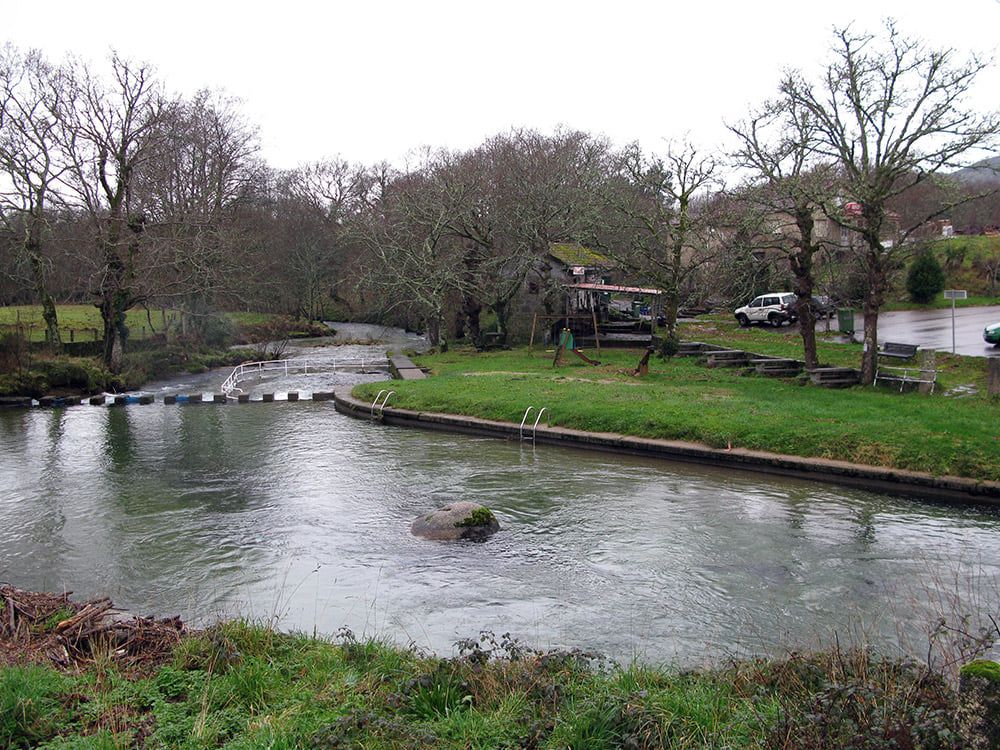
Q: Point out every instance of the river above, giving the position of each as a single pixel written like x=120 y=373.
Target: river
x=293 y=513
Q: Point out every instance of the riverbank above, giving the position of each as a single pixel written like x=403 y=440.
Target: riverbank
x=28 y=369
x=717 y=409
x=245 y=685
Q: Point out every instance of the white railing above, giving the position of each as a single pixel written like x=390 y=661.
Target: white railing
x=295 y=366
x=534 y=428
x=378 y=405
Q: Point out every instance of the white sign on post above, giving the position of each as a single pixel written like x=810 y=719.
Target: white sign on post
x=954 y=294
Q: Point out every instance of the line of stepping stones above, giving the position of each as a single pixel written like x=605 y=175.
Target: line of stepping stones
x=175 y=398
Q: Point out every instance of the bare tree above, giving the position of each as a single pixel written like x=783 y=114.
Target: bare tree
x=413 y=258
x=31 y=163
x=316 y=207
x=204 y=168
x=787 y=187
x=512 y=197
x=657 y=231
x=891 y=113
x=111 y=130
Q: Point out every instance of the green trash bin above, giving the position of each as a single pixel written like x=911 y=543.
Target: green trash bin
x=845 y=321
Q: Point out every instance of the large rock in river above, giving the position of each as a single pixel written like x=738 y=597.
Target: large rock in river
x=461 y=520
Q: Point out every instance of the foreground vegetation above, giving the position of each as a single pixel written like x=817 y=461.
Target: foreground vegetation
x=243 y=686
x=682 y=399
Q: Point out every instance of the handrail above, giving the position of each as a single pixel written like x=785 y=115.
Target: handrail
x=372 y=413
x=380 y=406
x=243 y=370
x=520 y=430
x=537 y=420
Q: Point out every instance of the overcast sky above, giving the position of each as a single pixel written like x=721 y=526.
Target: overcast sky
x=371 y=81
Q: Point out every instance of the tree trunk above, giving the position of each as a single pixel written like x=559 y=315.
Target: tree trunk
x=111 y=295
x=874 y=298
x=471 y=309
x=502 y=310
x=51 y=318
x=670 y=307
x=802 y=264
x=869 y=357
x=113 y=317
x=807 y=329
x=33 y=249
x=433 y=329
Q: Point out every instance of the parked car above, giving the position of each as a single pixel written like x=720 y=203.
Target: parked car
x=775 y=308
x=823 y=307
x=991 y=334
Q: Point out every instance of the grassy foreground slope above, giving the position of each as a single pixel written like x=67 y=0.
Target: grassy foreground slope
x=245 y=687
x=682 y=399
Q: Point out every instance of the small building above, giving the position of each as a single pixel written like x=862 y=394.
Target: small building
x=574 y=287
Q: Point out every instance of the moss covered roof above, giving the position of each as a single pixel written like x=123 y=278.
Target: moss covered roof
x=577 y=255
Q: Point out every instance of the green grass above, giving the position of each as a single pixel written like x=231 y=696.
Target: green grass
x=82 y=320
x=242 y=686
x=682 y=399
x=85 y=321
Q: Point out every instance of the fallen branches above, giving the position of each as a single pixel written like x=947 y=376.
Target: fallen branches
x=36 y=627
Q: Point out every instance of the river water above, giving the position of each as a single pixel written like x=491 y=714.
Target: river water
x=294 y=513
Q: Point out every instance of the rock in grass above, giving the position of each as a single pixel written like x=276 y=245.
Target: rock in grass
x=979 y=684
x=462 y=520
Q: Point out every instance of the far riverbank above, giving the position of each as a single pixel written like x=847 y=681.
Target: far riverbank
x=721 y=409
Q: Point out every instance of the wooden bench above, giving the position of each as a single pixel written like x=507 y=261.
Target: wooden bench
x=895 y=350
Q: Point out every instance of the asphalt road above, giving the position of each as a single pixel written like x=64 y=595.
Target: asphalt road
x=931 y=329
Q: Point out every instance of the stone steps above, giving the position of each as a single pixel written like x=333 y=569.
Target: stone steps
x=776 y=367
x=402 y=368
x=696 y=348
x=835 y=377
x=727 y=358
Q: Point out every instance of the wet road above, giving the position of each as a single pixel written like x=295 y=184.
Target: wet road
x=931 y=329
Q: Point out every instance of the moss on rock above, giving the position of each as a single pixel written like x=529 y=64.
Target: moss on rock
x=984 y=668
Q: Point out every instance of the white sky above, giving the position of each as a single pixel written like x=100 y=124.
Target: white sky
x=371 y=81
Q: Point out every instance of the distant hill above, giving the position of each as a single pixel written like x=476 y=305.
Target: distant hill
x=986 y=171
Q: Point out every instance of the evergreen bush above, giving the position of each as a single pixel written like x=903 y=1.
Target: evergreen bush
x=925 y=279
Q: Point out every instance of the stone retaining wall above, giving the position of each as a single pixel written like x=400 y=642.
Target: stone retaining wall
x=895 y=481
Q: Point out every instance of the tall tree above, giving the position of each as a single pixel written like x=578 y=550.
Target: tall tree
x=659 y=229
x=787 y=187
x=205 y=167
x=31 y=163
x=520 y=192
x=412 y=257
x=891 y=113
x=316 y=207
x=112 y=130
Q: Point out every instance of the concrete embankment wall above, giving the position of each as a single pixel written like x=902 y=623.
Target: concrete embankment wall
x=895 y=481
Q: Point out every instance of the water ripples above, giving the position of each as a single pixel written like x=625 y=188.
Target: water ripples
x=293 y=511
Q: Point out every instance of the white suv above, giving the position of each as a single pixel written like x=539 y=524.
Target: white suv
x=775 y=308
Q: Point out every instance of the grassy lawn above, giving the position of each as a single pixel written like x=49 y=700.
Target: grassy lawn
x=246 y=687
x=682 y=399
x=83 y=321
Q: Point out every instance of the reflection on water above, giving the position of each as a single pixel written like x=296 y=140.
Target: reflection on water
x=293 y=511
